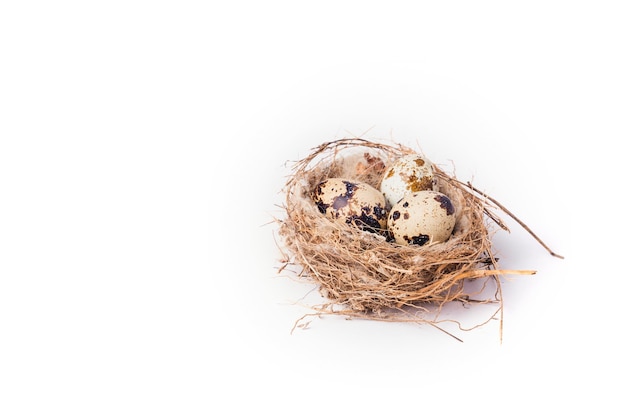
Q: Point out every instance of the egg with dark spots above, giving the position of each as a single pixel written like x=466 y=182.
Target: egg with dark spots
x=422 y=218
x=356 y=203
x=408 y=174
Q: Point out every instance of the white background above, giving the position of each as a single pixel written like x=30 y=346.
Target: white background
x=142 y=151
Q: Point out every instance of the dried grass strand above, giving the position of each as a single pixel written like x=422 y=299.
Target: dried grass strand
x=514 y=217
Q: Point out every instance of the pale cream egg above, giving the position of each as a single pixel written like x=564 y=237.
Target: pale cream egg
x=355 y=203
x=408 y=174
x=422 y=218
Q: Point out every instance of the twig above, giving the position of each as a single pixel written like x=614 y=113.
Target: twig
x=504 y=209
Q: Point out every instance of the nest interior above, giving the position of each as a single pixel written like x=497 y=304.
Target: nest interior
x=363 y=274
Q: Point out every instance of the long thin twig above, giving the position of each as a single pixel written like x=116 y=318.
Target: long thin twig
x=504 y=209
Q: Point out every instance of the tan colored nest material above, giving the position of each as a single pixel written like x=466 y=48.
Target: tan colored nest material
x=361 y=274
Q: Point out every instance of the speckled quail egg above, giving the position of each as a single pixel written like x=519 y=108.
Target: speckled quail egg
x=408 y=174
x=422 y=218
x=355 y=203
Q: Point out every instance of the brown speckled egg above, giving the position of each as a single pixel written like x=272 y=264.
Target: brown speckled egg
x=422 y=218
x=408 y=174
x=355 y=203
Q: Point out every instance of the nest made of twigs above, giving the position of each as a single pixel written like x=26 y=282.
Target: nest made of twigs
x=363 y=274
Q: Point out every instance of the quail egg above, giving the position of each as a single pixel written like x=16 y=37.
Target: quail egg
x=356 y=203
x=422 y=218
x=408 y=174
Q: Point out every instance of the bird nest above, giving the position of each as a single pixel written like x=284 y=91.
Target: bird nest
x=366 y=275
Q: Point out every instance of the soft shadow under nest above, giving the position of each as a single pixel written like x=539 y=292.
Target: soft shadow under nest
x=363 y=275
